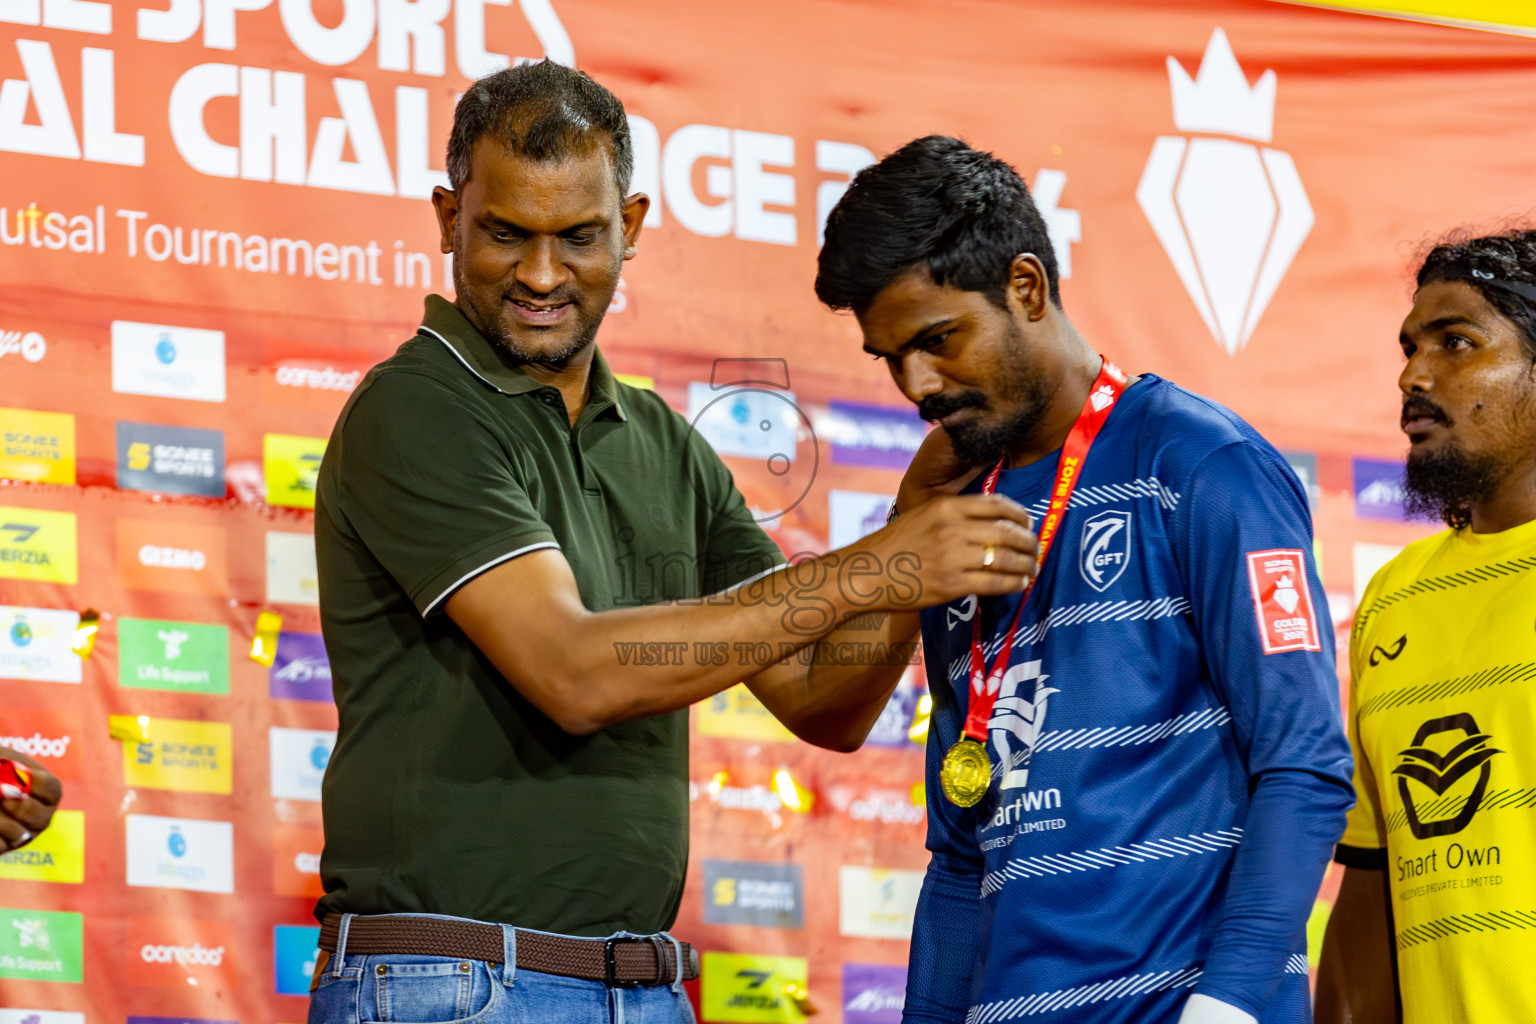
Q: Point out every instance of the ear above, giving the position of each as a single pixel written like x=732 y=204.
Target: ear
x=633 y=218
x=446 y=203
x=1029 y=286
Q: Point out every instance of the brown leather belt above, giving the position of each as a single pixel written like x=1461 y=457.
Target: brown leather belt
x=651 y=960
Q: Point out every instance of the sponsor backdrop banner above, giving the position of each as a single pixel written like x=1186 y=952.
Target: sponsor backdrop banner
x=214 y=219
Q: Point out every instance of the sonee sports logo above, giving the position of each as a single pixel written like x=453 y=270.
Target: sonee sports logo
x=1442 y=771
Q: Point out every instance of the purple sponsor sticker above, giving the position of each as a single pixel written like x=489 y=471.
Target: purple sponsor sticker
x=873 y=993
x=895 y=722
x=301 y=670
x=1379 y=489
x=884 y=436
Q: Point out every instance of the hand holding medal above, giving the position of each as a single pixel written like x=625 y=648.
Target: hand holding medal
x=966 y=774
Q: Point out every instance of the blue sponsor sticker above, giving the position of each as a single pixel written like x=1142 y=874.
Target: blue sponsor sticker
x=1379 y=489
x=883 y=436
x=873 y=993
x=301 y=669
x=294 y=950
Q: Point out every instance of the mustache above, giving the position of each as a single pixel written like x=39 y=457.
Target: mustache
x=936 y=407
x=1416 y=407
x=554 y=298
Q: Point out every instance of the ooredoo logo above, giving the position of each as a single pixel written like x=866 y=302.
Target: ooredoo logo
x=1230 y=215
x=30 y=345
x=180 y=557
x=47 y=735
x=172 y=953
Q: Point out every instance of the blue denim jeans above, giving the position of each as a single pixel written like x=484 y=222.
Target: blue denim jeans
x=409 y=989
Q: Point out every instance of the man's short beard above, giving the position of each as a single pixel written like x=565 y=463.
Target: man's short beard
x=980 y=444
x=490 y=324
x=1445 y=484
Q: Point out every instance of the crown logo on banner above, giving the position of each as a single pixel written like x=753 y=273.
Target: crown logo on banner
x=1231 y=215
x=1218 y=99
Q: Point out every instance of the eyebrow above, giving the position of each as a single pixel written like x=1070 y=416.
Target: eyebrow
x=917 y=335
x=502 y=222
x=1441 y=324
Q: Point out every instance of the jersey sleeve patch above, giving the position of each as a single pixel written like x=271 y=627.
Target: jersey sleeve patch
x=1283 y=601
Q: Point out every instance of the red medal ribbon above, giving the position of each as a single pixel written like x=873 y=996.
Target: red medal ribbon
x=1106 y=391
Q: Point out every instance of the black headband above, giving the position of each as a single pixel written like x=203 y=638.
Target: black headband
x=1466 y=270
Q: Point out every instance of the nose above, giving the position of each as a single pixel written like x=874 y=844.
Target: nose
x=917 y=378
x=1416 y=378
x=541 y=270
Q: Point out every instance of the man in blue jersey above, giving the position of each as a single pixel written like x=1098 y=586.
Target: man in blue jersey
x=1165 y=767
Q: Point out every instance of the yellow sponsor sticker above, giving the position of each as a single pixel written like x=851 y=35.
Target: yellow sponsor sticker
x=636 y=380
x=292 y=464
x=38 y=447
x=1494 y=14
x=56 y=855
x=749 y=989
x=737 y=714
x=38 y=545
x=190 y=757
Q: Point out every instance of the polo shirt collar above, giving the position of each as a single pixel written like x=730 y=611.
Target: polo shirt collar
x=444 y=321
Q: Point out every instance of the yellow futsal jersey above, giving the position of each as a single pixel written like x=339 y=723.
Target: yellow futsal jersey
x=1443 y=722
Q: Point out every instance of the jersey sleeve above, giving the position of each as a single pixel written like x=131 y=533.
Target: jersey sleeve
x=1364 y=844
x=1243 y=538
x=427 y=488
x=941 y=970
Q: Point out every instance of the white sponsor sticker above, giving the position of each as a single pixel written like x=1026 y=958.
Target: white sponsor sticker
x=167 y=362
x=877 y=903
x=181 y=853
x=35 y=645
x=17 y=1016
x=299 y=757
x=292 y=575
x=855 y=514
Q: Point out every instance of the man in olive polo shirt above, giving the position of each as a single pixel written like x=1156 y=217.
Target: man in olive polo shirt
x=498 y=521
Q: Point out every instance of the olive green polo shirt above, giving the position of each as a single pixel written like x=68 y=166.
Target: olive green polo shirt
x=448 y=792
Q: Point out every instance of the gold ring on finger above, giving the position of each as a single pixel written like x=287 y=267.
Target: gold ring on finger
x=988 y=556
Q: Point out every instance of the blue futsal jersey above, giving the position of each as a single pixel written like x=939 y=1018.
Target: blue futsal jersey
x=1170 y=770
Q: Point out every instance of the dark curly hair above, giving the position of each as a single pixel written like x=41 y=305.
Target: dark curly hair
x=544 y=112
x=935 y=201
x=1501 y=266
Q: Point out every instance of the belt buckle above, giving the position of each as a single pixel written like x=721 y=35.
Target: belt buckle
x=611 y=967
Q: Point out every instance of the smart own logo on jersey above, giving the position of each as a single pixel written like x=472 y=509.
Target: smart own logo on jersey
x=1105 y=549
x=1468 y=751
x=1230 y=215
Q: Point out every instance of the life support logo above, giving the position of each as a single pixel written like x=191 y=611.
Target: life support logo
x=1465 y=748
x=1105 y=549
x=1230 y=215
x=30 y=345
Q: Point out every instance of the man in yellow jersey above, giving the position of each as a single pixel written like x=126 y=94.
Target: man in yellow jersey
x=1436 y=918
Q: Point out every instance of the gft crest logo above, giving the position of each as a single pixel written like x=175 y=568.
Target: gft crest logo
x=1230 y=215
x=1105 y=549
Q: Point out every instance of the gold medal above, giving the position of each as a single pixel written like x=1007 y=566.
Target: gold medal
x=967 y=773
